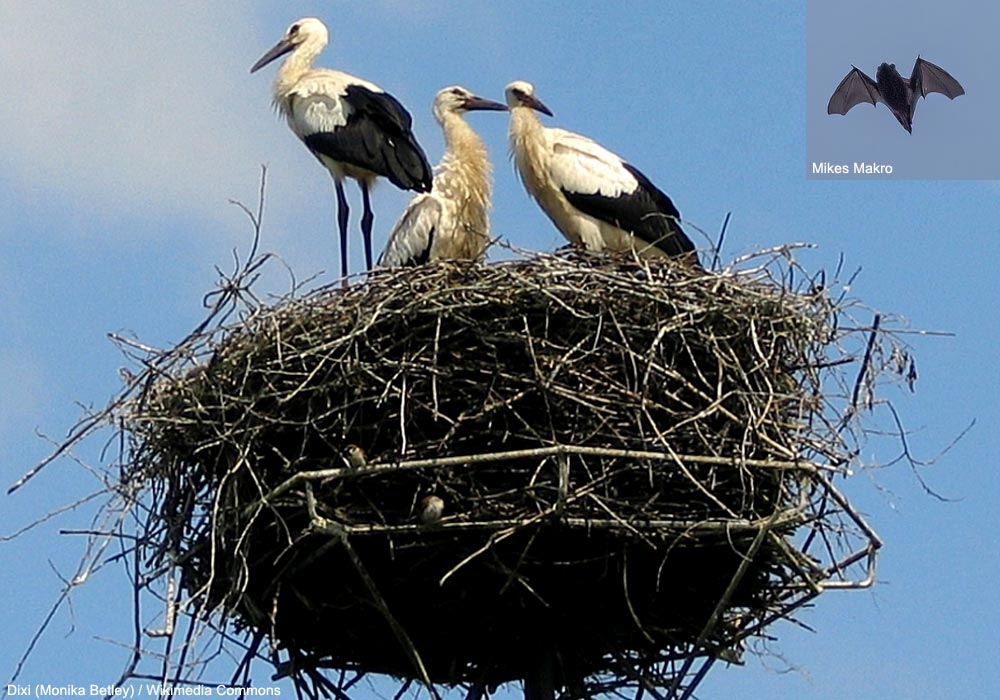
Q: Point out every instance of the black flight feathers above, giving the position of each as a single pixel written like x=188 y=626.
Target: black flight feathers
x=377 y=137
x=893 y=90
x=646 y=212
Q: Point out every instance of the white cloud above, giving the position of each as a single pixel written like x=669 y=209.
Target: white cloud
x=123 y=107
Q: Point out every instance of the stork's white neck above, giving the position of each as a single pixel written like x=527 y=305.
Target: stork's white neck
x=524 y=121
x=298 y=63
x=463 y=175
x=462 y=145
x=527 y=148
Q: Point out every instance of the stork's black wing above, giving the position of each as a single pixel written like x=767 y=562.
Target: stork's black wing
x=855 y=88
x=376 y=137
x=646 y=212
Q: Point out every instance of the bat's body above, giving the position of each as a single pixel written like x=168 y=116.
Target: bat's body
x=893 y=90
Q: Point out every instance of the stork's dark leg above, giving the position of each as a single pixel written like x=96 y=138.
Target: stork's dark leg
x=366 y=223
x=343 y=211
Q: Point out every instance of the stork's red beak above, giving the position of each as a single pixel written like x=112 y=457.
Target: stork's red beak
x=278 y=50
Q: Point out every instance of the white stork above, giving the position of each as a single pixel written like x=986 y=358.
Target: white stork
x=450 y=221
x=353 y=127
x=594 y=198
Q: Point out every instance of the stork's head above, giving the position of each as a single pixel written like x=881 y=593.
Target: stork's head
x=458 y=100
x=522 y=94
x=307 y=32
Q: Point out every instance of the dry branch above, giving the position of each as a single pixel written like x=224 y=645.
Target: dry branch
x=636 y=461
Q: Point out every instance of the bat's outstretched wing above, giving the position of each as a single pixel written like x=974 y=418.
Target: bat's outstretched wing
x=855 y=88
x=928 y=78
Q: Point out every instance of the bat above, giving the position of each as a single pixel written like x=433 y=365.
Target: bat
x=893 y=90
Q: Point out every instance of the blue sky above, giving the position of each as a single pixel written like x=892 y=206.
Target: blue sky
x=127 y=127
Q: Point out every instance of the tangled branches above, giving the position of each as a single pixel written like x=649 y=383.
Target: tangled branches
x=585 y=473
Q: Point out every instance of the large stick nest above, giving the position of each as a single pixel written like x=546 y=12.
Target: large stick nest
x=633 y=461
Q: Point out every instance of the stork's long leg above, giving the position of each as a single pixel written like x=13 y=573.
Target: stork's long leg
x=343 y=212
x=366 y=223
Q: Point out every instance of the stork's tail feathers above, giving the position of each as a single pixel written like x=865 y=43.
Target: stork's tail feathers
x=407 y=166
x=676 y=244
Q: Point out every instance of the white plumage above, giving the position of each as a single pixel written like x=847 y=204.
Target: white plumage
x=354 y=128
x=451 y=221
x=593 y=196
x=581 y=165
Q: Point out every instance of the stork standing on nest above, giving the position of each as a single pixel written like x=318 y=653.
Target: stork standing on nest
x=593 y=196
x=451 y=221
x=354 y=128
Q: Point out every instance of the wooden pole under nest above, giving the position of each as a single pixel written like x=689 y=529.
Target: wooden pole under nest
x=540 y=681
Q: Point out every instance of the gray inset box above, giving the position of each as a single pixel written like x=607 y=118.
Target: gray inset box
x=951 y=139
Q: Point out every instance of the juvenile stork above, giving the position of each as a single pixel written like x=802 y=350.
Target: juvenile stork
x=593 y=197
x=450 y=221
x=353 y=127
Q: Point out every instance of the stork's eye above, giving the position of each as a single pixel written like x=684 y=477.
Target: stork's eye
x=293 y=30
